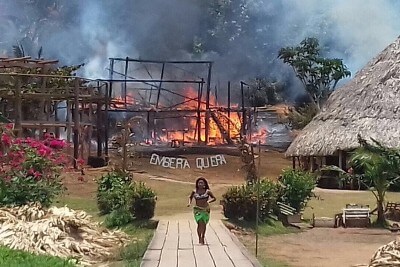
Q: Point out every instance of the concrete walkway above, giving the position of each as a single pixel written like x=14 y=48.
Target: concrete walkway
x=175 y=244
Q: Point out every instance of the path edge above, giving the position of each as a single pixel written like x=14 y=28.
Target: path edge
x=244 y=250
x=143 y=261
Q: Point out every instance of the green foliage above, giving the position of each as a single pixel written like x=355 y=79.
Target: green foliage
x=29 y=170
x=299 y=117
x=123 y=199
x=297 y=188
x=132 y=253
x=118 y=218
x=113 y=191
x=16 y=258
x=241 y=201
x=142 y=202
x=380 y=167
x=319 y=75
x=22 y=190
x=263 y=91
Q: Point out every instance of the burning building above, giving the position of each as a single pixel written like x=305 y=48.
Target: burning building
x=173 y=102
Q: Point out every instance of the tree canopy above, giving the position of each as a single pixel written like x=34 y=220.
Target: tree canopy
x=319 y=75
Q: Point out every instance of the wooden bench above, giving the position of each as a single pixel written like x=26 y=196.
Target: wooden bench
x=356 y=216
x=287 y=214
x=392 y=211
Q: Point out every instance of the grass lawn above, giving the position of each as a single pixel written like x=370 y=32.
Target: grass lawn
x=15 y=258
x=131 y=255
x=269 y=228
x=328 y=203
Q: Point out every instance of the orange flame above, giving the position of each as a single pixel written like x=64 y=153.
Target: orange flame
x=119 y=102
x=219 y=121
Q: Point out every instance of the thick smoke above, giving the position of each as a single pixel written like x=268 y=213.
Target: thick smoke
x=243 y=37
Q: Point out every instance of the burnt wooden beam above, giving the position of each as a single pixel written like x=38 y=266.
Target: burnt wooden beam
x=18 y=108
x=207 y=118
x=76 y=123
x=159 y=86
x=161 y=61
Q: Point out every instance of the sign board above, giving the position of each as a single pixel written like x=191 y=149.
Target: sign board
x=182 y=163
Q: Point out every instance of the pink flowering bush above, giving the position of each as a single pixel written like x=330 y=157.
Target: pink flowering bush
x=30 y=169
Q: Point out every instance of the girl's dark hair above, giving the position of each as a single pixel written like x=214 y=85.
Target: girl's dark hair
x=205 y=183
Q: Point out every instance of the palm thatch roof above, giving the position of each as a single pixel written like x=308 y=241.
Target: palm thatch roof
x=368 y=105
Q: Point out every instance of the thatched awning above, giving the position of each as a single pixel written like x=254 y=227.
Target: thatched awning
x=368 y=105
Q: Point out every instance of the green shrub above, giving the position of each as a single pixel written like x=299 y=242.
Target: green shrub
x=297 y=187
x=240 y=202
x=143 y=201
x=30 y=169
x=124 y=199
x=21 y=190
x=113 y=191
x=118 y=218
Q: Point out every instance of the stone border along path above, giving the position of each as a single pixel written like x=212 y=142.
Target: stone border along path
x=175 y=244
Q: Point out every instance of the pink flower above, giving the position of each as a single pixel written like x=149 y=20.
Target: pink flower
x=57 y=144
x=6 y=139
x=80 y=162
x=37 y=174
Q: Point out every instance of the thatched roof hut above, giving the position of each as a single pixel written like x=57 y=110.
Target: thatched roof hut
x=368 y=105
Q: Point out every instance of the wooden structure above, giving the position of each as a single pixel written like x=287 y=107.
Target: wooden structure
x=34 y=95
x=173 y=93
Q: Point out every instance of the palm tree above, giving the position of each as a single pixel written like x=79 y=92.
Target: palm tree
x=381 y=168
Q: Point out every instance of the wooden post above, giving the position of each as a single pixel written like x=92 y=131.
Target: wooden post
x=311 y=163
x=76 y=122
x=41 y=136
x=57 y=129
x=48 y=111
x=18 y=107
x=82 y=131
x=294 y=163
x=90 y=115
x=229 y=109
x=148 y=126
x=69 y=121
x=340 y=159
x=207 y=118
x=199 y=96
x=99 y=129
x=125 y=76
x=244 y=121
x=159 y=86
x=124 y=148
x=108 y=95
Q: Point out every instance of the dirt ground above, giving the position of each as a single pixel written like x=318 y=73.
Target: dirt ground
x=324 y=247
x=316 y=247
